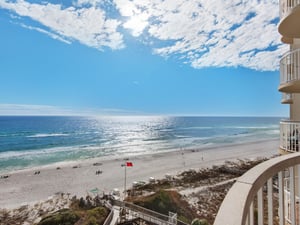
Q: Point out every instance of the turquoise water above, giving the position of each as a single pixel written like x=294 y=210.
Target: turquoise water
x=33 y=141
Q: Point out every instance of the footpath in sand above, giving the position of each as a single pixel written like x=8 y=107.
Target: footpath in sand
x=77 y=178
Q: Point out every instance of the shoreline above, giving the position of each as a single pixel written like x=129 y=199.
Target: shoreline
x=115 y=157
x=78 y=177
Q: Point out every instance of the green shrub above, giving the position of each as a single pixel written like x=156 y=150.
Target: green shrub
x=61 y=217
x=96 y=216
x=199 y=222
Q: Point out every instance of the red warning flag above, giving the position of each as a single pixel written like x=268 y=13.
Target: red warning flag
x=129 y=164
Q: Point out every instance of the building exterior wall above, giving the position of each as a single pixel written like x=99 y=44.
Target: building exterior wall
x=295 y=108
x=289 y=28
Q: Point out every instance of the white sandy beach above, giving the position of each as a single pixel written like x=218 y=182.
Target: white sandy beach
x=23 y=187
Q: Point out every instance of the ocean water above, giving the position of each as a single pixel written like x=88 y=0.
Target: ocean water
x=32 y=141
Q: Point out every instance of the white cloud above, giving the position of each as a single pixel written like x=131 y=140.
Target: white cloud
x=137 y=24
x=87 y=2
x=86 y=25
x=49 y=110
x=23 y=109
x=52 y=35
x=137 y=16
x=211 y=33
x=218 y=33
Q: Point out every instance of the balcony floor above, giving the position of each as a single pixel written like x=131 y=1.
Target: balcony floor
x=290 y=87
x=287 y=101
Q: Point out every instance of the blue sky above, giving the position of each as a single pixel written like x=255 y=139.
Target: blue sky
x=172 y=57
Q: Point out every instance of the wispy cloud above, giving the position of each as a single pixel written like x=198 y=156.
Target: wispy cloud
x=216 y=33
x=23 y=109
x=49 y=110
x=86 y=25
x=52 y=35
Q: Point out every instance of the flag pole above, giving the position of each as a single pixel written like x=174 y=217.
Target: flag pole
x=125 y=182
x=125 y=175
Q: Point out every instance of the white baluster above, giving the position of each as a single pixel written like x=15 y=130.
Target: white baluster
x=281 y=198
x=270 y=201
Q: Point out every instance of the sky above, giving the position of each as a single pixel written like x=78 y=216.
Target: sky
x=140 y=57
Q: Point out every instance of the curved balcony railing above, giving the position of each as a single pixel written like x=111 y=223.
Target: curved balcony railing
x=290 y=72
x=287 y=98
x=287 y=6
x=289 y=136
x=266 y=194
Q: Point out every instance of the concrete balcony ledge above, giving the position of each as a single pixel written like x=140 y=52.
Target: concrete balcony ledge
x=238 y=205
x=292 y=86
x=290 y=72
x=289 y=15
x=287 y=40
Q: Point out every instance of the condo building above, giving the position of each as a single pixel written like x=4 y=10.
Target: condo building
x=289 y=28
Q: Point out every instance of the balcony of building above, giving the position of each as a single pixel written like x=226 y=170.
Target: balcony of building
x=266 y=194
x=289 y=136
x=289 y=25
x=290 y=72
x=287 y=40
x=287 y=98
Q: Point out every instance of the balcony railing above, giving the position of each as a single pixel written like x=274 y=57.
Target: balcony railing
x=290 y=72
x=289 y=136
x=287 y=98
x=266 y=194
x=286 y=6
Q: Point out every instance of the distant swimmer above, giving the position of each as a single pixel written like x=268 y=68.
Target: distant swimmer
x=98 y=172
